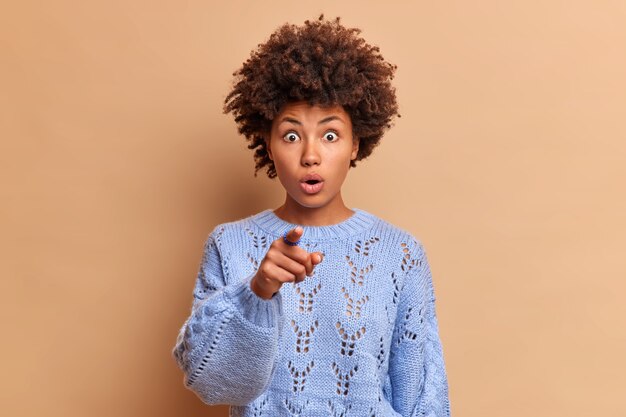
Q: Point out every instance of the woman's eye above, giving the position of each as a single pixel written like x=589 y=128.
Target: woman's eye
x=291 y=137
x=330 y=136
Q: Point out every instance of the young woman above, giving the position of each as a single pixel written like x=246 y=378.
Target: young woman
x=354 y=332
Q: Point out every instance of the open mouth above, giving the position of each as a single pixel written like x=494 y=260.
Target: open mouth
x=312 y=186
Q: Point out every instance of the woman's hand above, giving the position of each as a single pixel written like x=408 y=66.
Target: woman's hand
x=283 y=263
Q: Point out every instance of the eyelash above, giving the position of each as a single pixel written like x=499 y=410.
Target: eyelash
x=326 y=133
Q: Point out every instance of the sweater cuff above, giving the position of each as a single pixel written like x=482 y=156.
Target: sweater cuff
x=258 y=311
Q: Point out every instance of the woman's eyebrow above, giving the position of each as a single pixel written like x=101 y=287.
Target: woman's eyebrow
x=291 y=120
x=324 y=120
x=330 y=119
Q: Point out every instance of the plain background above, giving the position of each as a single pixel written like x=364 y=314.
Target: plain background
x=508 y=163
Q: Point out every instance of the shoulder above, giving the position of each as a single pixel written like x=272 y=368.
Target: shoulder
x=232 y=230
x=390 y=232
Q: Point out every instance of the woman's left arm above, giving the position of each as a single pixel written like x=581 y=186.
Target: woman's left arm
x=416 y=364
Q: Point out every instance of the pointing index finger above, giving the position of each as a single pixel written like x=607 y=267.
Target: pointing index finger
x=295 y=234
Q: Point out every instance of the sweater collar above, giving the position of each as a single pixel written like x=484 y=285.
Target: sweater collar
x=360 y=221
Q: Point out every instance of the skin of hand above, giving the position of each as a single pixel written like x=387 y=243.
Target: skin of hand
x=283 y=263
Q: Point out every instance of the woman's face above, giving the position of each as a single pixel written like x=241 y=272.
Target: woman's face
x=307 y=140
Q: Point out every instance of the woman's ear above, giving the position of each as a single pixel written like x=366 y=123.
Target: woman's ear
x=355 y=147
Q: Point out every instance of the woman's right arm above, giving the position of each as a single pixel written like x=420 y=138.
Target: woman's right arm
x=228 y=346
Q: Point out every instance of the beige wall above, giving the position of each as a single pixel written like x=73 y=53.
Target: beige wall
x=508 y=163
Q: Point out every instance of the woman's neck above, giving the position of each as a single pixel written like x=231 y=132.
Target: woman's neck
x=332 y=213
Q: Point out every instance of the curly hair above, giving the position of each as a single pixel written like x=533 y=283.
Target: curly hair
x=323 y=63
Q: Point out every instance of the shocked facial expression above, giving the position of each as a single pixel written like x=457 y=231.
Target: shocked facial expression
x=312 y=147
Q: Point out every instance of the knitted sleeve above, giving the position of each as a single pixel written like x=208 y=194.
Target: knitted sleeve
x=228 y=345
x=416 y=369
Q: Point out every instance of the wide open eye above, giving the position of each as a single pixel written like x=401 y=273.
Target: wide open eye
x=330 y=136
x=291 y=137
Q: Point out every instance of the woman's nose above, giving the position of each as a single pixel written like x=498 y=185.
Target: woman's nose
x=310 y=153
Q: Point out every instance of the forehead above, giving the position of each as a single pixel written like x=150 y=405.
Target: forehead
x=304 y=111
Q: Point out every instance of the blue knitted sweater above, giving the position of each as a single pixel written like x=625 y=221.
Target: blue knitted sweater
x=358 y=338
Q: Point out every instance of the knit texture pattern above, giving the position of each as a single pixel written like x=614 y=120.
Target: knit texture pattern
x=359 y=338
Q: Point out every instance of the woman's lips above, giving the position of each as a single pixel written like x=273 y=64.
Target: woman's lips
x=312 y=188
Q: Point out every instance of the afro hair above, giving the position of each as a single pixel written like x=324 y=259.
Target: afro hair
x=322 y=63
